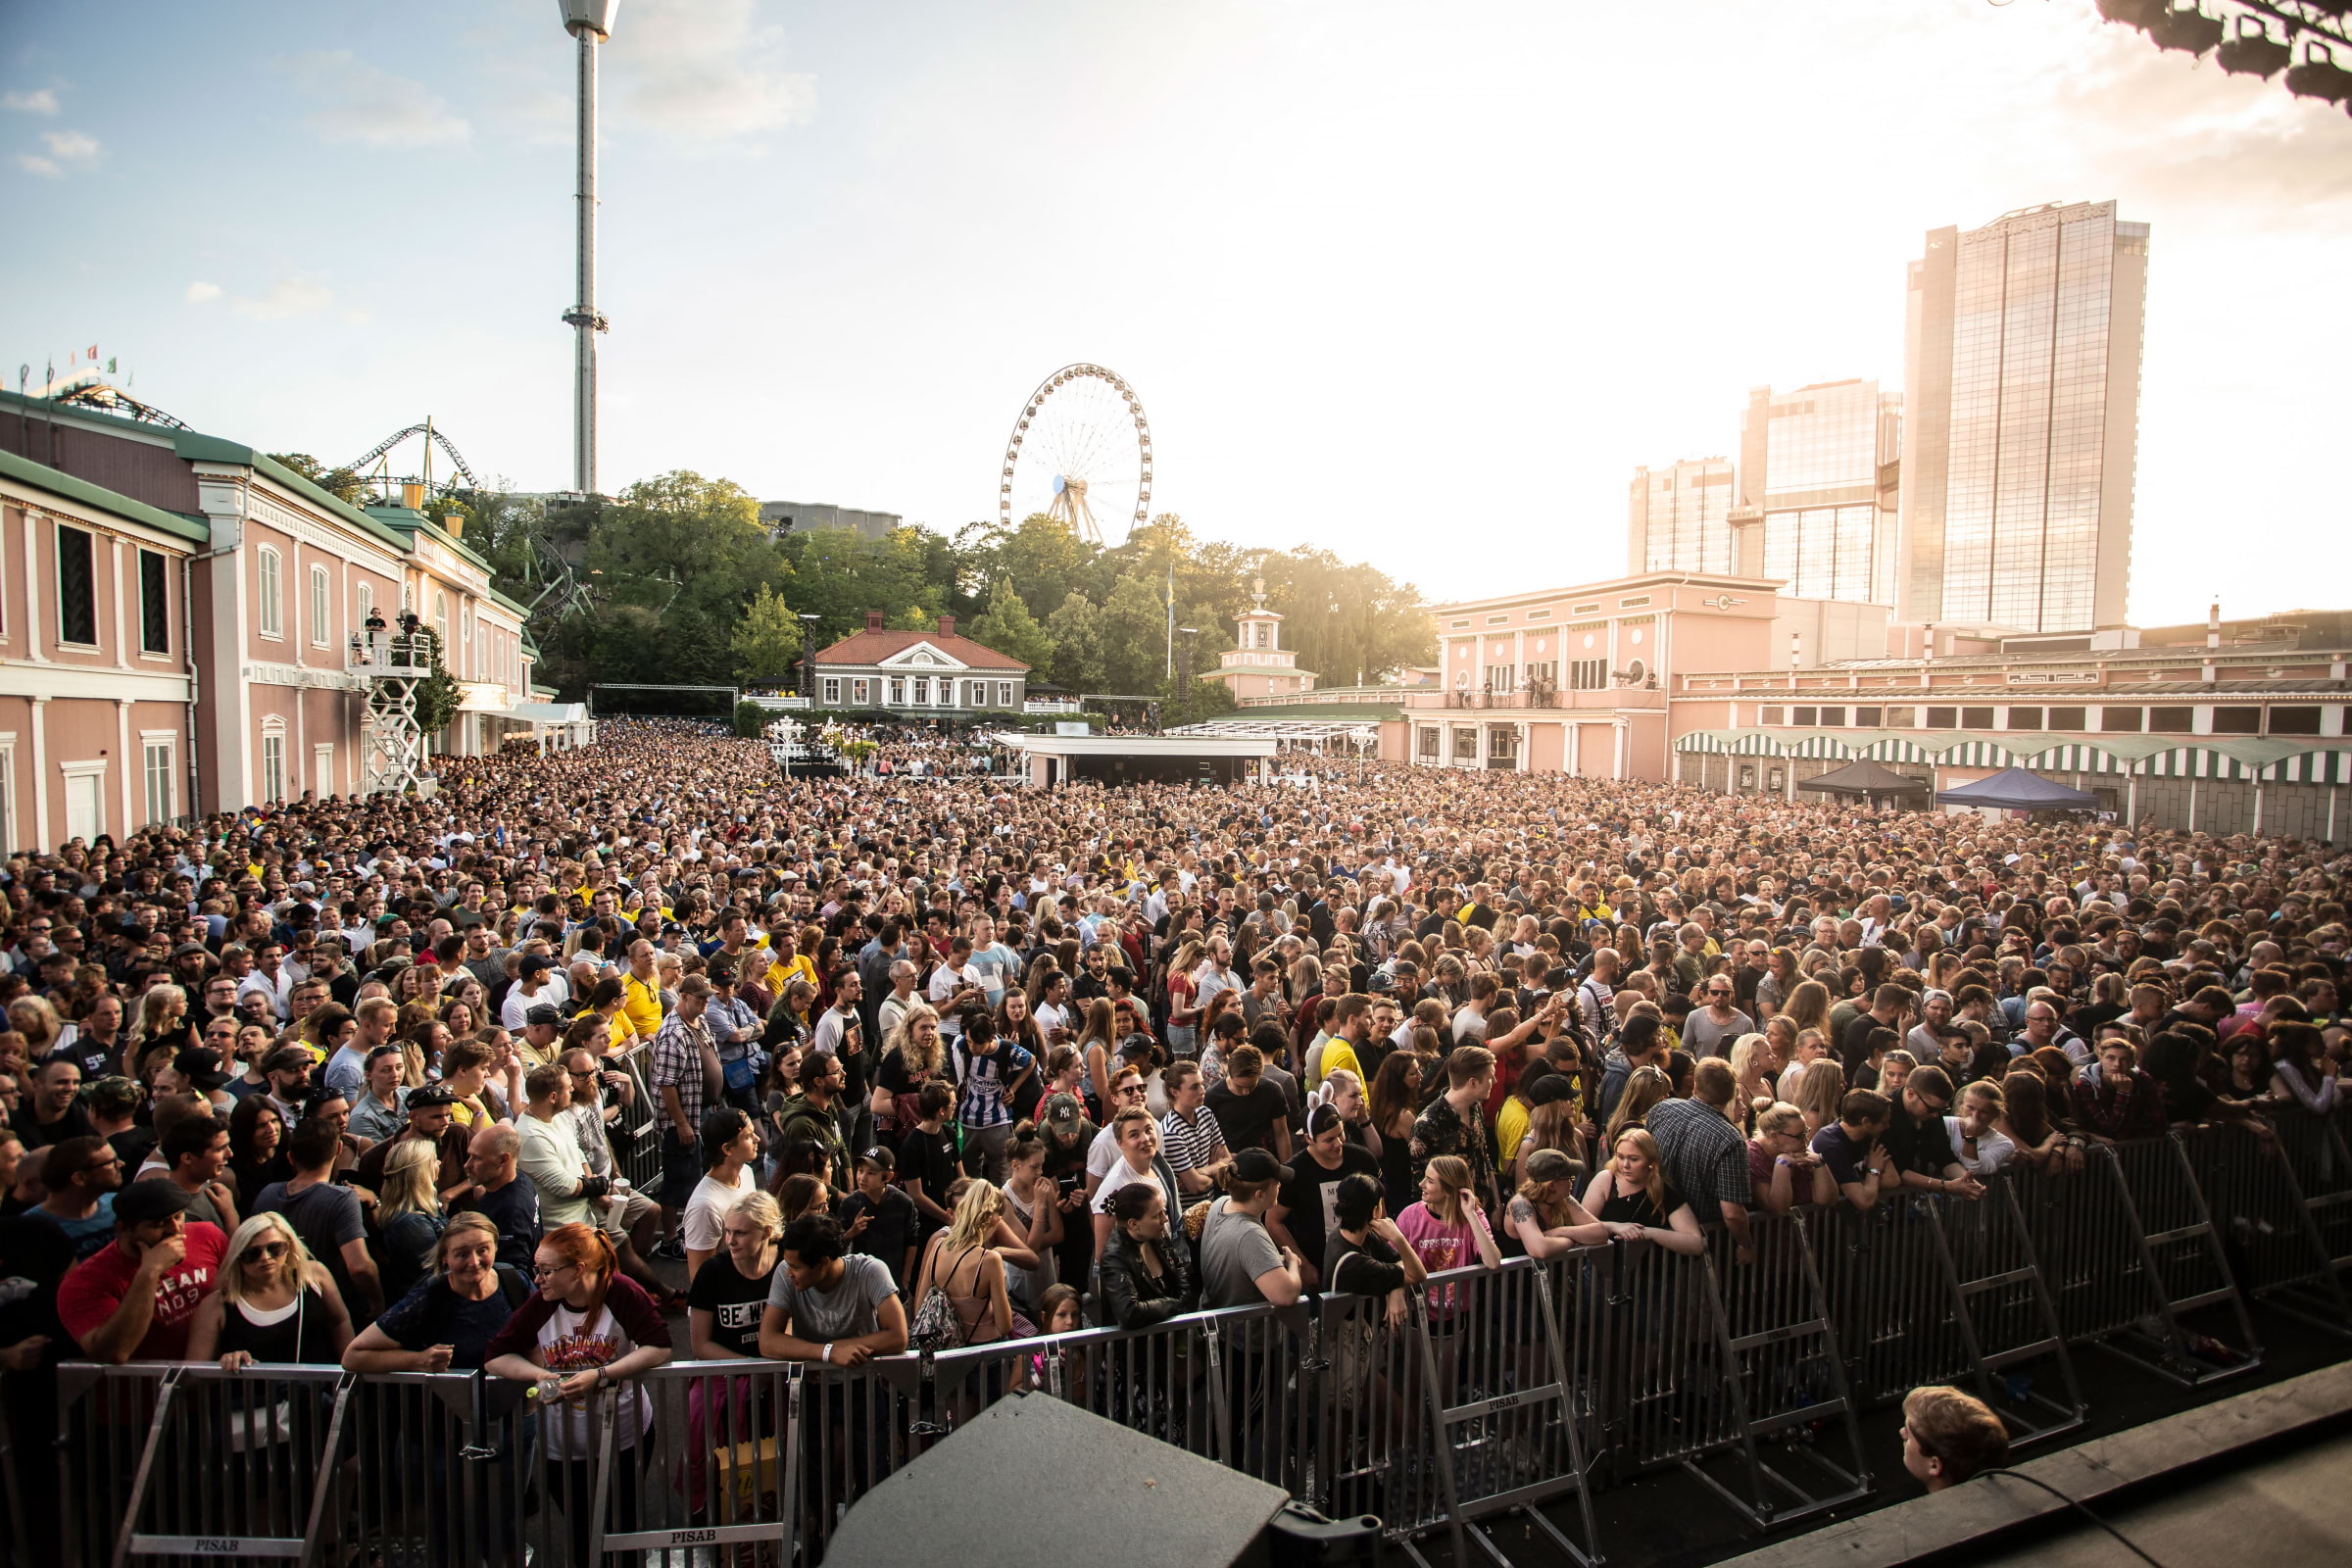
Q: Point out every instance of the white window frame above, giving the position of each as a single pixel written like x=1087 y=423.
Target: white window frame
x=898 y=690
x=364 y=599
x=56 y=567
x=139 y=602
x=321 y=607
x=274 y=761
x=830 y=685
x=162 y=744
x=270 y=608
x=8 y=793
x=441 y=622
x=70 y=771
x=322 y=768
x=1005 y=694
x=921 y=692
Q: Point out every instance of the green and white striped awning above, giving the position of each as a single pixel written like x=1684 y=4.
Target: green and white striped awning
x=1895 y=749
x=1974 y=754
x=2193 y=762
x=2311 y=767
x=1818 y=746
x=2074 y=757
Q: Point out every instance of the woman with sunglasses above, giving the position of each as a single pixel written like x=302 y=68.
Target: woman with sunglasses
x=276 y=1304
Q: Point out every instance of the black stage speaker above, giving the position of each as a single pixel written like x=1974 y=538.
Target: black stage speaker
x=976 y=1497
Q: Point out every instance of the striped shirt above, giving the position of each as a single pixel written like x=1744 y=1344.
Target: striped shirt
x=985 y=1076
x=1189 y=1146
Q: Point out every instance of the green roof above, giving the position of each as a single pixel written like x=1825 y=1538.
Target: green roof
x=545 y=691
x=196 y=448
x=180 y=525
x=520 y=609
x=409 y=522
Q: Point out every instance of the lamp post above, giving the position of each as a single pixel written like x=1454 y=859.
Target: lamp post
x=590 y=21
x=1184 y=685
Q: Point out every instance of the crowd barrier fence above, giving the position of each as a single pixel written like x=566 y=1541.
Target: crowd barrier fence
x=1481 y=1394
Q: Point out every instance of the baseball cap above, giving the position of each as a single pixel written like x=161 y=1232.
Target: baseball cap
x=431 y=1094
x=1549 y=1165
x=185 y=949
x=1256 y=1166
x=143 y=1202
x=543 y=1013
x=536 y=963
x=882 y=1160
x=1061 y=1108
x=286 y=1058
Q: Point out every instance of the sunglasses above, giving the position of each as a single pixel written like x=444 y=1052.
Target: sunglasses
x=265 y=1251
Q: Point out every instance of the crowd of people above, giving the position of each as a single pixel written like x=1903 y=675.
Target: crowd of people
x=933 y=1059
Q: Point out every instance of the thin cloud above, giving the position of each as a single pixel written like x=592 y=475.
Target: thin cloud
x=704 y=72
x=371 y=107
x=200 y=292
x=39 y=101
x=286 y=298
x=70 y=146
x=34 y=163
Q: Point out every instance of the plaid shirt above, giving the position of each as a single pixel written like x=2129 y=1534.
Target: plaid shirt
x=681 y=1050
x=1706 y=1158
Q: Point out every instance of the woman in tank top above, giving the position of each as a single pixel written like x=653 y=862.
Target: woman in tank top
x=276 y=1304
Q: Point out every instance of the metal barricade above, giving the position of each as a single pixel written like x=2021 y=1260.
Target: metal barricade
x=635 y=1137
x=2283 y=1244
x=235 y=1464
x=1493 y=1376
x=2005 y=1314
x=1892 y=1297
x=441 y=1469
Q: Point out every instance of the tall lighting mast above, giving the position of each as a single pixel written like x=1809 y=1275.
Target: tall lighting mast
x=590 y=21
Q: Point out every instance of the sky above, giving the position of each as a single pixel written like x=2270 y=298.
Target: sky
x=1388 y=278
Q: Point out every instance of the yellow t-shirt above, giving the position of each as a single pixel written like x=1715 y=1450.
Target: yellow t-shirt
x=1337 y=1054
x=780 y=975
x=1510 y=1125
x=643 y=1004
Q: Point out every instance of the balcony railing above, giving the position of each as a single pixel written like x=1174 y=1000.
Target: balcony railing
x=387 y=654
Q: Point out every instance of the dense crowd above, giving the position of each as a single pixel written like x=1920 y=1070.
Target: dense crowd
x=935 y=1060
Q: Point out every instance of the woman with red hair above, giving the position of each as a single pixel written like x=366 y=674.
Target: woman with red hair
x=584 y=1332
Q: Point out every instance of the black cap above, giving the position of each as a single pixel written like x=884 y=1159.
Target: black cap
x=536 y=963
x=143 y=1202
x=199 y=1065
x=429 y=1095
x=543 y=1013
x=1256 y=1166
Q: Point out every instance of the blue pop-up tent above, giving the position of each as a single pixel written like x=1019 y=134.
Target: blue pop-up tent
x=2013 y=789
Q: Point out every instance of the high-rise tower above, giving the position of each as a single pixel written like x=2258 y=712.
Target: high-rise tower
x=2021 y=420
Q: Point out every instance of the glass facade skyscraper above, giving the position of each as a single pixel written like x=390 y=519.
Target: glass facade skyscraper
x=1810 y=463
x=1679 y=517
x=2023 y=350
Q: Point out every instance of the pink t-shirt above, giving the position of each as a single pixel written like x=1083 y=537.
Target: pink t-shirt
x=1441 y=1246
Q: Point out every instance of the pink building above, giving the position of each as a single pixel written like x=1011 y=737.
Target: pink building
x=1260 y=666
x=119 y=535
x=1576 y=680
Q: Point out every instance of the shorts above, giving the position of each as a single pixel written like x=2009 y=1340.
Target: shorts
x=681 y=1168
x=622 y=1216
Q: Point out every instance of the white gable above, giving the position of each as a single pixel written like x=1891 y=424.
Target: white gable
x=921 y=657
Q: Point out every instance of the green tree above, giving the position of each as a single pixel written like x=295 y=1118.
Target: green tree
x=1076 y=631
x=1133 y=635
x=341 y=483
x=1007 y=627
x=766 y=641
x=1045 y=564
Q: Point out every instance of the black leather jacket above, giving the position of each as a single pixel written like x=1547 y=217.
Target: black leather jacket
x=1132 y=1297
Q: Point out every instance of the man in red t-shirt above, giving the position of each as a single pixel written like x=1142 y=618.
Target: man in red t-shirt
x=134 y=1300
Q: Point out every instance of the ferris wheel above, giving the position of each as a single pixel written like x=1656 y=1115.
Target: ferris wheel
x=1080 y=453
